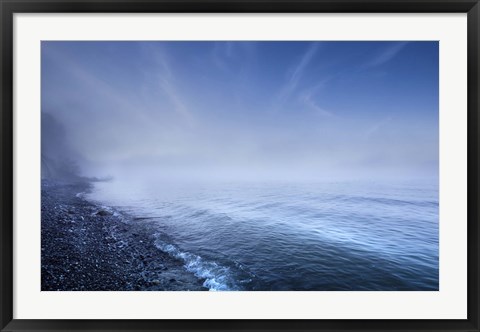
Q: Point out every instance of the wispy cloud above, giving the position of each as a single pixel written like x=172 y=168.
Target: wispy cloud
x=386 y=55
x=297 y=73
x=221 y=51
x=226 y=56
x=377 y=126
x=308 y=99
x=312 y=104
x=175 y=98
x=99 y=88
x=165 y=77
x=231 y=56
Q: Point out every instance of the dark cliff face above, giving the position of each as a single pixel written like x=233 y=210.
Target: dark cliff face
x=58 y=159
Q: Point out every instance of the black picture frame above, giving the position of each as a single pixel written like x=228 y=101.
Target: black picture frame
x=10 y=7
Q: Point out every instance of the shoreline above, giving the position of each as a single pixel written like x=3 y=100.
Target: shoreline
x=87 y=247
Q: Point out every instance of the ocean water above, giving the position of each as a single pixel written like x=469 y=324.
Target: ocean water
x=325 y=236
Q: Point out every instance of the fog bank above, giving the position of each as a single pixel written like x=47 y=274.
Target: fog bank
x=248 y=111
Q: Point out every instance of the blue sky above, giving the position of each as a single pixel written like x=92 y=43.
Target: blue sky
x=260 y=110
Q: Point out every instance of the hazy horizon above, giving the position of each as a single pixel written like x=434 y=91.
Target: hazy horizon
x=243 y=110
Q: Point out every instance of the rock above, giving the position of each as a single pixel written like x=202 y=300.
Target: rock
x=103 y=213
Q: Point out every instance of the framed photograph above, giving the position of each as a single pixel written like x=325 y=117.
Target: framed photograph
x=239 y=165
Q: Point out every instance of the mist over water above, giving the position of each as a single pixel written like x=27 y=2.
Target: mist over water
x=292 y=236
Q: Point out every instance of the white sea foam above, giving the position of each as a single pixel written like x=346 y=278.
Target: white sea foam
x=217 y=277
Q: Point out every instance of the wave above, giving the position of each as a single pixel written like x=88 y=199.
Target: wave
x=382 y=200
x=217 y=277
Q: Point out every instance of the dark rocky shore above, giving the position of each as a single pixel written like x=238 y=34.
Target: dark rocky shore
x=89 y=248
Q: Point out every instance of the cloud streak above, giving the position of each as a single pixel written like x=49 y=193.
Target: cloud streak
x=308 y=99
x=386 y=55
x=164 y=76
x=297 y=73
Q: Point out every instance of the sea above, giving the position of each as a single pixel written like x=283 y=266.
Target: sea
x=284 y=236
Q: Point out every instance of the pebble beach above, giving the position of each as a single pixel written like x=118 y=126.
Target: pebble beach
x=86 y=247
